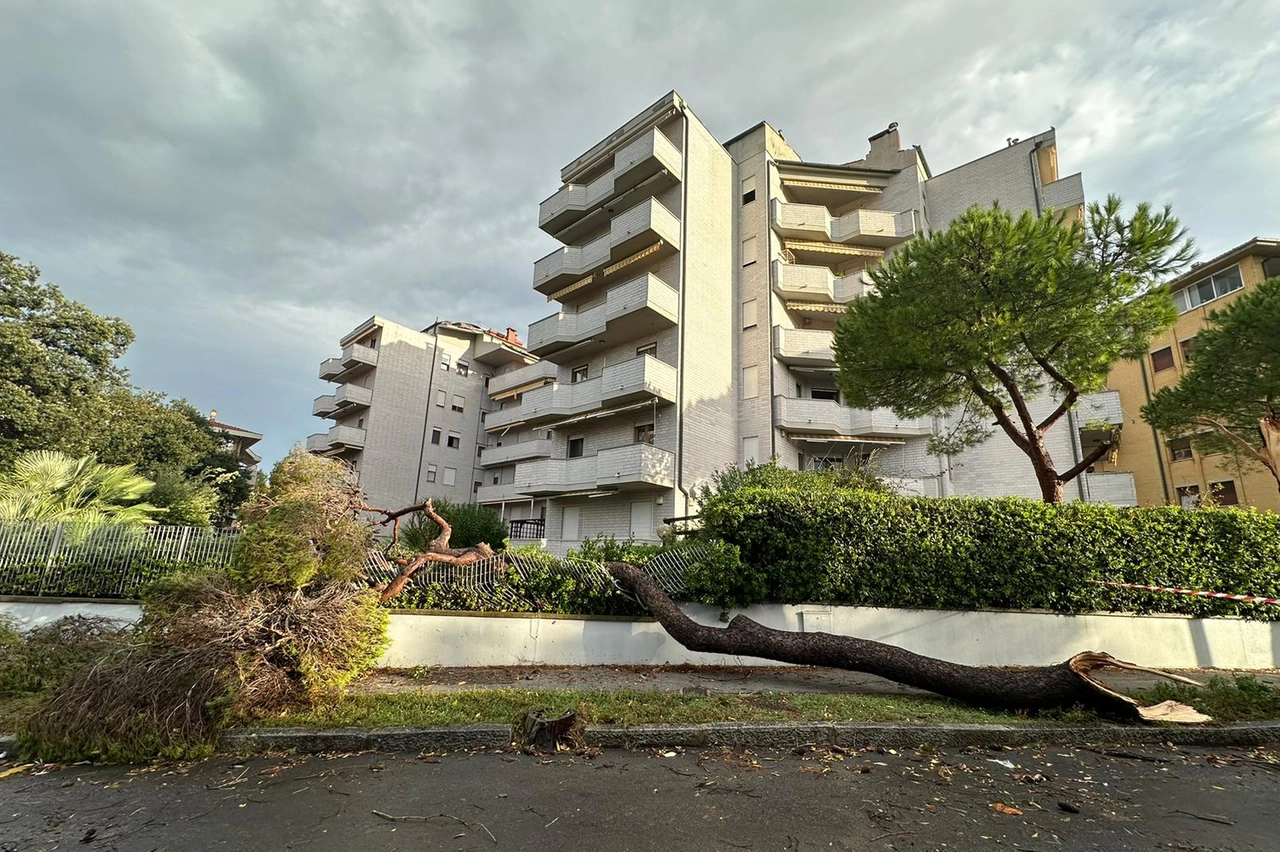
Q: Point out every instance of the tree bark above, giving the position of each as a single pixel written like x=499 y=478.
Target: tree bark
x=1065 y=685
x=438 y=551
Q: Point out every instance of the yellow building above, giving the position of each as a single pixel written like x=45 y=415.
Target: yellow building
x=1170 y=472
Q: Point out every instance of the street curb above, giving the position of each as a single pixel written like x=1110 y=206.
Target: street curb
x=754 y=735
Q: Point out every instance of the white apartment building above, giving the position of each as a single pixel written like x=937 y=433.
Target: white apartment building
x=409 y=408
x=698 y=288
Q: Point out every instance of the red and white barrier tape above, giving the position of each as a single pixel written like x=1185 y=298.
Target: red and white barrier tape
x=1177 y=591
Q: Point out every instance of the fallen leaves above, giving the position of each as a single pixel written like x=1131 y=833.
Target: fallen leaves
x=1002 y=808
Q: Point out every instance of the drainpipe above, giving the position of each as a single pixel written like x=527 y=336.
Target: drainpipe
x=684 y=289
x=1076 y=456
x=426 y=414
x=1155 y=436
x=1035 y=177
x=768 y=299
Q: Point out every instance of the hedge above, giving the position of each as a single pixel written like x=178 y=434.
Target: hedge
x=850 y=547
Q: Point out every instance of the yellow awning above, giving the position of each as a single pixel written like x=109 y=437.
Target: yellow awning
x=819 y=184
x=504 y=426
x=577 y=285
x=832 y=248
x=516 y=391
x=640 y=255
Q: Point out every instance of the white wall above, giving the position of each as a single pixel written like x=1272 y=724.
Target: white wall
x=973 y=638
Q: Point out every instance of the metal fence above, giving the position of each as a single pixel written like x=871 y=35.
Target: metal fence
x=100 y=560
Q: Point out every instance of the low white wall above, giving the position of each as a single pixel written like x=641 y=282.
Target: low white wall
x=976 y=638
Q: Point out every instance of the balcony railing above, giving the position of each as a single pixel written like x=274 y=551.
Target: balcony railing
x=515 y=451
x=825 y=417
x=336 y=439
x=504 y=493
x=818 y=284
x=1114 y=487
x=1098 y=417
x=649 y=154
x=638 y=307
x=355 y=359
x=346 y=397
x=646 y=225
x=880 y=228
x=629 y=381
x=801 y=347
x=1064 y=194
x=629 y=467
x=534 y=374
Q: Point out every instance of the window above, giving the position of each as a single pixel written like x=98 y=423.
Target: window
x=496 y=478
x=748 y=251
x=486 y=382
x=435 y=436
x=1224 y=492
x=576 y=445
x=360 y=423
x=440 y=398
x=475 y=487
x=750 y=388
x=1162 y=359
x=479 y=451
x=1189 y=496
x=444 y=361
x=1188 y=348
x=458 y=403
x=749 y=313
x=750 y=449
x=825 y=393
x=799 y=391
x=1180 y=449
x=643 y=434
x=464 y=368
x=650 y=349
x=748 y=189
x=483 y=415
x=579 y=374
x=1271 y=267
x=431 y=473
x=450 y=475
x=455 y=440
x=1213 y=287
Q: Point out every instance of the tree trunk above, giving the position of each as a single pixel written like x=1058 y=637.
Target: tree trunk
x=438 y=551
x=1065 y=685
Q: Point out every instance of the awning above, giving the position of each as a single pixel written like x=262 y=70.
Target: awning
x=596 y=415
x=819 y=184
x=503 y=427
x=516 y=391
x=640 y=255
x=832 y=248
x=814 y=437
x=813 y=308
x=577 y=285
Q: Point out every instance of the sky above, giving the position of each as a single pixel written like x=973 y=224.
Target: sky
x=246 y=181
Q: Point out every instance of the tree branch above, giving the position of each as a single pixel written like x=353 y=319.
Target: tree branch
x=992 y=402
x=1015 y=395
x=1094 y=454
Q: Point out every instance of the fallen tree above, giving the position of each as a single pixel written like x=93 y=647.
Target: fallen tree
x=438 y=551
x=1066 y=685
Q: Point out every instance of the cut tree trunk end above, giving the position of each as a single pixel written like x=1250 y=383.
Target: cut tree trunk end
x=1060 y=687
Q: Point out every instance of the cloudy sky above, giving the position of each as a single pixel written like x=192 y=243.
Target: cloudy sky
x=245 y=181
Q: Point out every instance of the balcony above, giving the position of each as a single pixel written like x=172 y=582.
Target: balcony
x=355 y=359
x=878 y=228
x=824 y=418
x=629 y=381
x=1116 y=488
x=336 y=440
x=1098 y=417
x=525 y=378
x=650 y=154
x=1064 y=195
x=800 y=283
x=622 y=468
x=347 y=397
x=515 y=451
x=637 y=308
x=647 y=229
x=504 y=493
x=802 y=347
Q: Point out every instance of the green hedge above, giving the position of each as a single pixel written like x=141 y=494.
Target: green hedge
x=851 y=547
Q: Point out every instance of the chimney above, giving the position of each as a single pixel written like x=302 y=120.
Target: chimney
x=213 y=414
x=886 y=143
x=513 y=337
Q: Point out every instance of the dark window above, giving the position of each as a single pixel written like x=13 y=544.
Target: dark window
x=1189 y=496
x=644 y=434
x=496 y=477
x=475 y=486
x=479 y=451
x=826 y=393
x=1180 y=449
x=1188 y=348
x=748 y=196
x=1162 y=359
x=483 y=415
x=435 y=436
x=575 y=447
x=1271 y=267
x=579 y=374
x=647 y=349
x=1224 y=492
x=464 y=369
x=444 y=361
x=486 y=382
x=455 y=441
x=360 y=423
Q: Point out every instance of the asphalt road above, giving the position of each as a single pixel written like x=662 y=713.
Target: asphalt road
x=1054 y=798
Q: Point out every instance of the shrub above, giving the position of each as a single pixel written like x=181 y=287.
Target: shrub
x=773 y=476
x=606 y=548
x=471 y=523
x=854 y=547
x=38 y=660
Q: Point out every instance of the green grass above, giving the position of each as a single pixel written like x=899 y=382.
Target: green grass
x=1241 y=699
x=503 y=706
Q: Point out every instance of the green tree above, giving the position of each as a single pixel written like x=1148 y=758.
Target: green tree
x=49 y=486
x=1229 y=399
x=58 y=357
x=987 y=315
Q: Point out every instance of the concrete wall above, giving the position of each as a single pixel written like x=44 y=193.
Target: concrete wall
x=973 y=638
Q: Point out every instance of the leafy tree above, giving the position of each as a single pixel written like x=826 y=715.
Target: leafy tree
x=58 y=356
x=984 y=317
x=49 y=486
x=1230 y=397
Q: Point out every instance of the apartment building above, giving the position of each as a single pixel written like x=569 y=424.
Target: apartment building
x=1169 y=471
x=698 y=286
x=409 y=406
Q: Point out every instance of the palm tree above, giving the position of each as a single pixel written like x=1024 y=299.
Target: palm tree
x=54 y=487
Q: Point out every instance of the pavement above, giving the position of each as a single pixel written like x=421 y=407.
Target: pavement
x=807 y=798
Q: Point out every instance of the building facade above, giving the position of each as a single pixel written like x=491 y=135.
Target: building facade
x=1170 y=471
x=409 y=407
x=698 y=286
